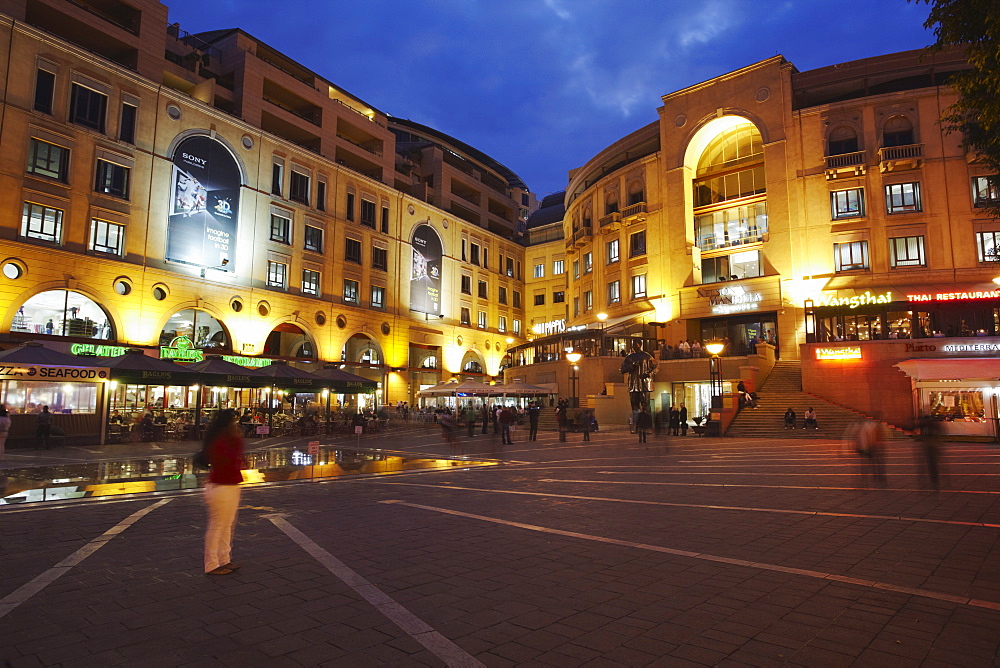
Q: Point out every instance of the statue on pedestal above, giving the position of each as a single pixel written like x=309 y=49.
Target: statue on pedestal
x=640 y=367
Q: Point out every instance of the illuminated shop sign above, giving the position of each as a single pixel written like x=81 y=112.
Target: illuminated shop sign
x=99 y=350
x=971 y=348
x=256 y=362
x=550 y=327
x=203 y=219
x=182 y=350
x=842 y=353
x=857 y=300
x=733 y=299
x=953 y=296
x=39 y=372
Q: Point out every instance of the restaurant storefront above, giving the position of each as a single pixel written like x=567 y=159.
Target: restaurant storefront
x=743 y=311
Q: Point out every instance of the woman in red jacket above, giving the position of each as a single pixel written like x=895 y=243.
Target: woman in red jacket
x=224 y=442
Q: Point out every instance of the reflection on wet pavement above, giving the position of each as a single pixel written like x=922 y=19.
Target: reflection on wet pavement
x=134 y=476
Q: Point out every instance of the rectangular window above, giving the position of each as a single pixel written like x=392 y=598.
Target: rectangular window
x=88 y=107
x=517 y=327
x=352 y=251
x=474 y=254
x=576 y=269
x=277 y=274
x=321 y=195
x=378 y=297
x=126 y=123
x=367 y=213
x=310 y=282
x=988 y=246
x=985 y=191
x=576 y=306
x=851 y=256
x=482 y=320
x=45 y=159
x=539 y=271
x=112 y=179
x=559 y=297
x=385 y=219
x=465 y=250
x=540 y=299
x=349 y=210
x=517 y=299
x=106 y=237
x=907 y=252
x=502 y=295
x=558 y=267
x=847 y=203
x=510 y=267
x=314 y=239
x=588 y=262
x=298 y=188
x=732 y=267
x=466 y=285
x=502 y=324
x=350 y=291
x=902 y=197
x=486 y=257
x=465 y=316
x=518 y=271
x=41 y=222
x=588 y=300
x=637 y=244
x=45 y=86
x=281 y=229
x=277 y=177
x=380 y=258
x=613 y=255
x=483 y=290
x=639 y=286
x=614 y=292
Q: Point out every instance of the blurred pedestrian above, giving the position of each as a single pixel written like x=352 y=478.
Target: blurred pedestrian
x=224 y=444
x=534 y=412
x=586 y=423
x=562 y=418
x=43 y=427
x=643 y=422
x=674 y=421
x=505 y=416
x=682 y=418
x=871 y=446
x=929 y=436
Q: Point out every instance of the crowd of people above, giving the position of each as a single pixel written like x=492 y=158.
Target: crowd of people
x=688 y=348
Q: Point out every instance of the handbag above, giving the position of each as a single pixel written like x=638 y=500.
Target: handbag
x=201 y=460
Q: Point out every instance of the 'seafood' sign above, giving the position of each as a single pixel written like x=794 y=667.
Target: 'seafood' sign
x=841 y=353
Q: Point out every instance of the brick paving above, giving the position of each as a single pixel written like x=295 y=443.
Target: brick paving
x=694 y=552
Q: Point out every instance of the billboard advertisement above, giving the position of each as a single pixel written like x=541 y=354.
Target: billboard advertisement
x=203 y=218
x=425 y=274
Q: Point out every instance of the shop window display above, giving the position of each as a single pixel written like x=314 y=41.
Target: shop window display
x=63 y=313
x=60 y=397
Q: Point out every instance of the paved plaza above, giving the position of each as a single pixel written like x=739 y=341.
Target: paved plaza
x=692 y=551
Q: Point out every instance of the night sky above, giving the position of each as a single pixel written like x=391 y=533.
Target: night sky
x=543 y=85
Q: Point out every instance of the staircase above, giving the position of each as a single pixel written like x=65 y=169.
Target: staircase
x=783 y=388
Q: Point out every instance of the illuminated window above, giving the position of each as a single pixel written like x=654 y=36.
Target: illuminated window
x=985 y=191
x=588 y=300
x=378 y=297
x=310 y=282
x=539 y=271
x=558 y=267
x=588 y=262
x=988 y=246
x=614 y=292
x=502 y=324
x=482 y=320
x=847 y=203
x=350 y=291
x=851 y=256
x=907 y=252
x=510 y=267
x=106 y=237
x=466 y=317
x=638 y=286
x=45 y=159
x=731 y=167
x=613 y=255
x=277 y=274
x=732 y=267
x=731 y=227
x=41 y=222
x=902 y=198
x=517 y=327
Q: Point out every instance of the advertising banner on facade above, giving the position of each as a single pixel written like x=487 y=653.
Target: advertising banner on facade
x=204 y=204
x=425 y=274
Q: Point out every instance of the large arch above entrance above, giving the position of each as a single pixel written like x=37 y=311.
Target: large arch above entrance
x=289 y=340
x=202 y=329
x=63 y=313
x=473 y=363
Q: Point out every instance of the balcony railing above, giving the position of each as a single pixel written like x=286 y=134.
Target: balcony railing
x=610 y=219
x=908 y=152
x=845 y=160
x=634 y=212
x=581 y=235
x=376 y=153
x=315 y=118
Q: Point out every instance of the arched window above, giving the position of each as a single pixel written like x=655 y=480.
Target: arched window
x=731 y=167
x=636 y=193
x=429 y=362
x=202 y=329
x=289 y=340
x=897 y=131
x=610 y=202
x=473 y=366
x=843 y=139
x=63 y=313
x=360 y=348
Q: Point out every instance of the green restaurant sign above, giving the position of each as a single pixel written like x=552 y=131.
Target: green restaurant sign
x=181 y=349
x=256 y=362
x=97 y=349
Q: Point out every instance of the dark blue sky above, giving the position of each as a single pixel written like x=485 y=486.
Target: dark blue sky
x=543 y=85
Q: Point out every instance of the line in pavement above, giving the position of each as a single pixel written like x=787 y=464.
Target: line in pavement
x=729 y=484
x=43 y=580
x=416 y=628
x=641 y=502
x=875 y=584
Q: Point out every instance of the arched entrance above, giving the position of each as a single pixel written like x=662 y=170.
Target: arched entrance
x=363 y=356
x=63 y=313
x=200 y=327
x=289 y=340
x=473 y=364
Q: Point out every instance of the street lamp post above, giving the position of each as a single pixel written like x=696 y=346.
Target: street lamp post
x=715 y=382
x=601 y=317
x=573 y=358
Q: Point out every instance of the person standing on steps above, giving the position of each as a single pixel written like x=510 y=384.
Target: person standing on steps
x=643 y=422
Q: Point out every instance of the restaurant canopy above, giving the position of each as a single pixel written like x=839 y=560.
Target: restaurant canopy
x=35 y=353
x=138 y=368
x=451 y=388
x=969 y=368
x=518 y=389
x=339 y=381
x=214 y=370
x=288 y=377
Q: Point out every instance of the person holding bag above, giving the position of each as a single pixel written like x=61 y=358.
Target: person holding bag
x=224 y=446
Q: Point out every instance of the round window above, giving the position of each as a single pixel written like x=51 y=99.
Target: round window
x=236 y=305
x=385 y=329
x=263 y=308
x=123 y=287
x=320 y=318
x=12 y=270
x=341 y=321
x=174 y=112
x=159 y=293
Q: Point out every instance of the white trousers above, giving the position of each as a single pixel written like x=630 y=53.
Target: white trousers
x=222 y=502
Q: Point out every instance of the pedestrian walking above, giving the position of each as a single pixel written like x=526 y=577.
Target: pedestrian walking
x=562 y=419
x=4 y=427
x=505 y=416
x=43 y=428
x=586 y=423
x=484 y=415
x=643 y=422
x=470 y=421
x=929 y=436
x=682 y=418
x=871 y=446
x=534 y=412
x=224 y=444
